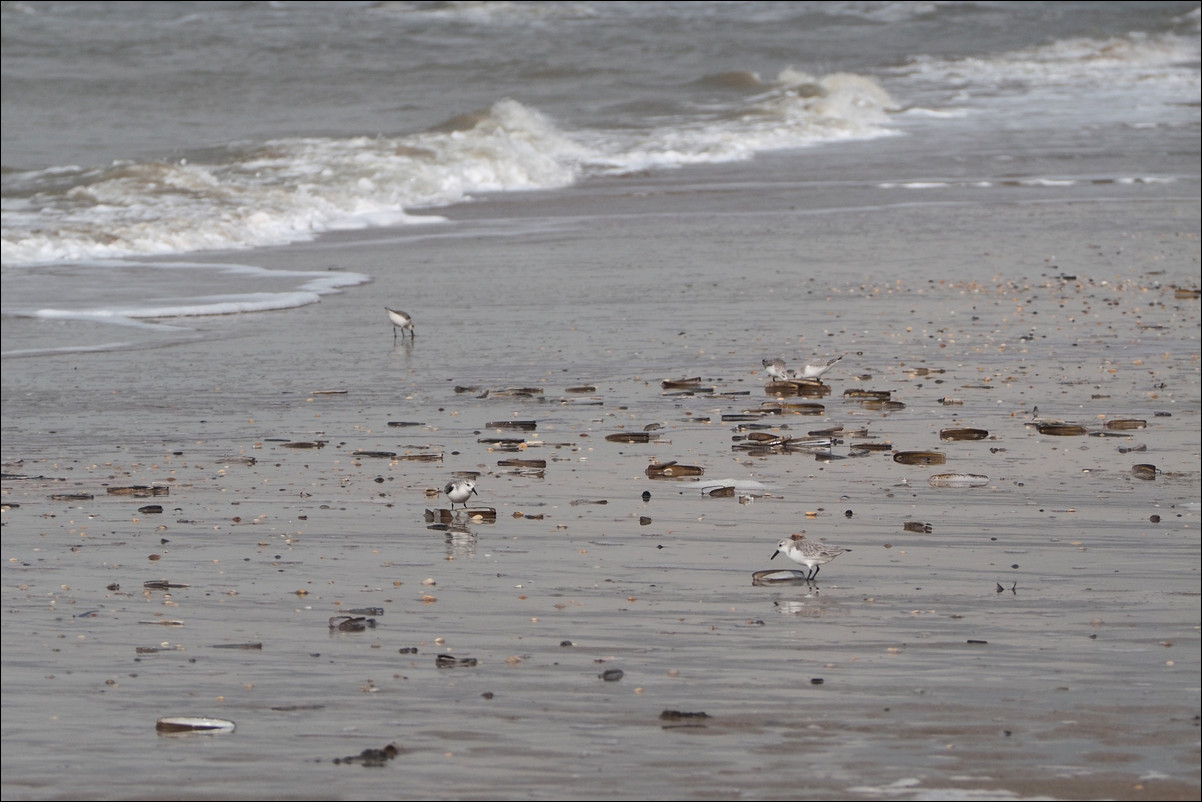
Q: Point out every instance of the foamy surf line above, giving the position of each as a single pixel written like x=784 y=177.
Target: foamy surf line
x=293 y=190
x=148 y=314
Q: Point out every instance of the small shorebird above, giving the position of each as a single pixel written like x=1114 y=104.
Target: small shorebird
x=776 y=369
x=400 y=321
x=808 y=553
x=459 y=491
x=813 y=370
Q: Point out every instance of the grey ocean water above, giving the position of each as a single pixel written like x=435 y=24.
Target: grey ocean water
x=988 y=208
x=138 y=134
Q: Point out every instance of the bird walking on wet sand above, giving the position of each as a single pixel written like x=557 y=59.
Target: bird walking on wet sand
x=401 y=321
x=811 y=554
x=459 y=491
x=813 y=370
x=776 y=369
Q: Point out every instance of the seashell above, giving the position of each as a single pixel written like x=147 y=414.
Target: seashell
x=139 y=491
x=305 y=444
x=887 y=406
x=629 y=437
x=874 y=395
x=502 y=442
x=672 y=470
x=176 y=724
x=1144 y=471
x=963 y=434
x=779 y=576
x=958 y=480
x=795 y=408
x=680 y=384
x=382 y=454
x=1126 y=423
x=1061 y=429
x=805 y=389
x=447 y=661
x=918 y=526
x=513 y=462
x=524 y=425
x=920 y=457
x=71 y=497
x=521 y=392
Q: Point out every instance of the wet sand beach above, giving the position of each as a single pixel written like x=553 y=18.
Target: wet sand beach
x=1035 y=636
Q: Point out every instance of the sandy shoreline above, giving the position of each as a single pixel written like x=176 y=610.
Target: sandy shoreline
x=1040 y=640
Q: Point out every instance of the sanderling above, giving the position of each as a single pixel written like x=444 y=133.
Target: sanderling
x=400 y=321
x=776 y=369
x=459 y=491
x=813 y=370
x=807 y=552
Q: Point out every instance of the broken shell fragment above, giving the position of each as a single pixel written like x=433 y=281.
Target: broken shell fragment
x=1126 y=423
x=920 y=457
x=1144 y=471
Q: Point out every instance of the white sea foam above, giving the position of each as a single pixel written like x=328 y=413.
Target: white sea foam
x=307 y=288
x=289 y=190
x=1159 y=68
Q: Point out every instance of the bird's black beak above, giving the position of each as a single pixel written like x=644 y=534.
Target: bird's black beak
x=773 y=557
x=474 y=493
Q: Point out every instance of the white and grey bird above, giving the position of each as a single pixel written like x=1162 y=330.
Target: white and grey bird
x=401 y=321
x=812 y=370
x=809 y=553
x=776 y=369
x=459 y=491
